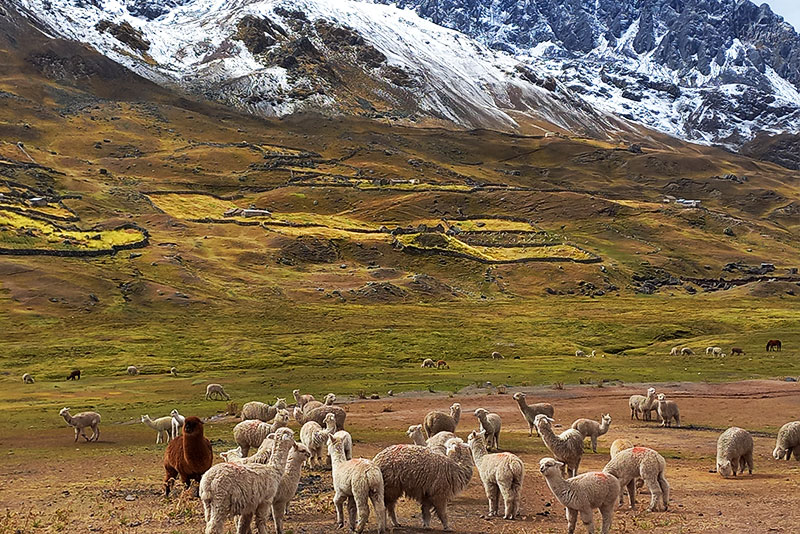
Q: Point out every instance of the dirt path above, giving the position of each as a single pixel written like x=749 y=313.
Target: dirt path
x=49 y=484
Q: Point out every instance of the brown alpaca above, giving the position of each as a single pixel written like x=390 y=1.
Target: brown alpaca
x=74 y=375
x=189 y=455
x=441 y=364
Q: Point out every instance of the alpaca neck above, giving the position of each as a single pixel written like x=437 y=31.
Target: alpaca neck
x=330 y=426
x=295 y=466
x=192 y=446
x=337 y=455
x=456 y=415
x=557 y=485
x=548 y=436
x=68 y=418
x=319 y=437
x=418 y=438
x=522 y=403
x=479 y=450
x=604 y=424
x=279 y=454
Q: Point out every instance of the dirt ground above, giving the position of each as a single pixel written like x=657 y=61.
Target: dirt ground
x=113 y=486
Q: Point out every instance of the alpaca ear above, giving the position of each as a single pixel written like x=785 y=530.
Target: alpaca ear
x=551 y=419
x=560 y=464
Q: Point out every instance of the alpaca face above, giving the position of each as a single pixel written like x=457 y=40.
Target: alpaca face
x=193 y=425
x=549 y=464
x=725 y=468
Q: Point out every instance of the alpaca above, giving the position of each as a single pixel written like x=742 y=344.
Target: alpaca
x=243 y=489
x=162 y=426
x=427 y=477
x=567 y=446
x=81 y=421
x=530 y=411
x=436 y=421
x=501 y=474
x=357 y=482
x=216 y=391
x=188 y=456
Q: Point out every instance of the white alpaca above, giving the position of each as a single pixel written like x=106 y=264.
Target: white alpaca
x=243 y=489
x=177 y=423
x=162 y=426
x=81 y=421
x=356 y=482
x=501 y=474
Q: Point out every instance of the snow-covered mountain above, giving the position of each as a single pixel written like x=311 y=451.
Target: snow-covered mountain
x=275 y=57
x=716 y=71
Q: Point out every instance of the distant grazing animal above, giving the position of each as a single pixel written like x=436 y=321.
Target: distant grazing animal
x=686 y=351
x=497 y=356
x=173 y=371
x=188 y=456
x=216 y=391
x=428 y=363
x=774 y=345
x=81 y=421
x=441 y=364
x=75 y=375
x=177 y=423
x=737 y=350
x=27 y=379
x=530 y=411
x=674 y=351
x=580 y=353
x=132 y=370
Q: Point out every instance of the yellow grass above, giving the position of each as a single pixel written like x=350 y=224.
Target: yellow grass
x=19 y=231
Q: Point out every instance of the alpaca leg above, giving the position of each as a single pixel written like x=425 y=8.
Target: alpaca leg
x=491 y=494
x=262 y=517
x=631 y=493
x=77 y=433
x=664 y=485
x=352 y=511
x=607 y=512
x=362 y=512
x=244 y=526
x=508 y=507
x=380 y=511
x=426 y=513
x=594 y=444
x=572 y=520
x=440 y=506
x=749 y=459
x=215 y=523
x=588 y=520
x=96 y=431
x=390 y=509
x=655 y=494
x=734 y=465
x=278 y=511
x=338 y=502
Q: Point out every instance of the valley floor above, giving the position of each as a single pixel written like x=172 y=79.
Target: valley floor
x=50 y=484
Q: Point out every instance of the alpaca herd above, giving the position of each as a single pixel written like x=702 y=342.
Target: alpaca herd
x=433 y=469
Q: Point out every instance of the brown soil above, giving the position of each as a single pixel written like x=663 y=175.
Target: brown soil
x=80 y=488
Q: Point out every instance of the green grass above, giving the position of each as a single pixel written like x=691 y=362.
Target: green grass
x=19 y=231
x=346 y=349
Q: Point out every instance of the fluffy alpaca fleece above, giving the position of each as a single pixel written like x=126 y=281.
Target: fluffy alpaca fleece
x=530 y=411
x=620 y=445
x=188 y=456
x=734 y=450
x=491 y=424
x=243 y=489
x=501 y=474
x=436 y=443
x=262 y=411
x=301 y=400
x=347 y=439
x=318 y=415
x=356 y=482
x=427 y=477
x=582 y=494
x=641 y=463
x=567 y=446
x=81 y=422
x=250 y=434
x=436 y=421
x=162 y=426
x=314 y=437
x=593 y=429
x=788 y=442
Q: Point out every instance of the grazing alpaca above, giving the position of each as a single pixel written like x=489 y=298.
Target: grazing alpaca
x=188 y=456
x=441 y=364
x=75 y=375
x=773 y=345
